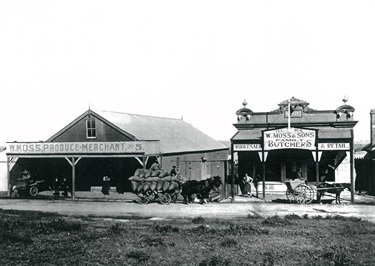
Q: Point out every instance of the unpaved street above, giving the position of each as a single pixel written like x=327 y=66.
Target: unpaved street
x=179 y=210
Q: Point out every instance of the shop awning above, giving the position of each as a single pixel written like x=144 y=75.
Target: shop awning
x=255 y=134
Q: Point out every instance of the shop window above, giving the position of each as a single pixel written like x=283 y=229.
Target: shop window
x=90 y=129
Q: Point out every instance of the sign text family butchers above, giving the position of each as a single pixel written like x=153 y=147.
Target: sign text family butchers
x=295 y=138
x=76 y=147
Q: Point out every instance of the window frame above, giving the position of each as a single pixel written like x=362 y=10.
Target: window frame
x=90 y=129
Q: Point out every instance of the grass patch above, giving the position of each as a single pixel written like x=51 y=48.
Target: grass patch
x=198 y=220
x=38 y=239
x=276 y=221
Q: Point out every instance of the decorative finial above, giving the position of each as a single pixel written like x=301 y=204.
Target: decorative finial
x=345 y=99
x=244 y=103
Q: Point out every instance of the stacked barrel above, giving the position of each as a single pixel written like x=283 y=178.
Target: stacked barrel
x=154 y=180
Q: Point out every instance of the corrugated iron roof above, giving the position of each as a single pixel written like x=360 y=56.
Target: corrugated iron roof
x=175 y=135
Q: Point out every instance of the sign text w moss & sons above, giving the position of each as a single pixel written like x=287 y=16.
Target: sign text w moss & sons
x=294 y=138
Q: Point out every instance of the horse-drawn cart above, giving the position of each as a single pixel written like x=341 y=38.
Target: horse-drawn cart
x=300 y=191
x=150 y=185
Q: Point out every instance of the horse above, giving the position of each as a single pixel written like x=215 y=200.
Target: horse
x=335 y=188
x=202 y=188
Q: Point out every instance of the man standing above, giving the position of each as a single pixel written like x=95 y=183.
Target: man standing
x=247 y=187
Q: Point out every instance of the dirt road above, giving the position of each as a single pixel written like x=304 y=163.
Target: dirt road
x=179 y=210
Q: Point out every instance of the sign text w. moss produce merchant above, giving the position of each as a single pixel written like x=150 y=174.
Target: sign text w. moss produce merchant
x=75 y=147
x=293 y=139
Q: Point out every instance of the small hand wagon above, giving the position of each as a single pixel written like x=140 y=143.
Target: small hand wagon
x=299 y=191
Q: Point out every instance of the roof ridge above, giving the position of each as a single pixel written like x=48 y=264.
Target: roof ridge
x=118 y=112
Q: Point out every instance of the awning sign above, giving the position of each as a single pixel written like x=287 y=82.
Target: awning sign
x=247 y=147
x=295 y=138
x=333 y=146
x=76 y=147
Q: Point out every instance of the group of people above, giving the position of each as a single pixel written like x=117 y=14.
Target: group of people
x=63 y=186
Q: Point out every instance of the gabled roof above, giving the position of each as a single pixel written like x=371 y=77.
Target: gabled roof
x=174 y=135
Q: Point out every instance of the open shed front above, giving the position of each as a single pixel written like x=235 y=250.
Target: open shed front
x=84 y=165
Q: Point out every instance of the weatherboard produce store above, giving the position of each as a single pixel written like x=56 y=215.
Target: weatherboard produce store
x=276 y=146
x=114 y=144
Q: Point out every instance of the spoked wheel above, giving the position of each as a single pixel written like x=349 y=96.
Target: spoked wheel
x=33 y=191
x=151 y=196
x=309 y=194
x=289 y=196
x=165 y=198
x=147 y=197
x=143 y=198
x=303 y=194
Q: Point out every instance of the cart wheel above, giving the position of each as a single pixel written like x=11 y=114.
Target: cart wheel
x=33 y=191
x=299 y=194
x=289 y=195
x=165 y=199
x=304 y=194
x=309 y=194
x=143 y=198
x=151 y=196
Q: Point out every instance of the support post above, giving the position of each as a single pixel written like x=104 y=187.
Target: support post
x=73 y=179
x=8 y=177
x=225 y=178
x=73 y=164
x=232 y=174
x=264 y=169
x=352 y=172
x=264 y=179
x=317 y=166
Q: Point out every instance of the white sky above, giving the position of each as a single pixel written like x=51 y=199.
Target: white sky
x=196 y=59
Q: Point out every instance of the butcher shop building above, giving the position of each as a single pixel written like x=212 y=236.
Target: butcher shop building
x=273 y=146
x=115 y=144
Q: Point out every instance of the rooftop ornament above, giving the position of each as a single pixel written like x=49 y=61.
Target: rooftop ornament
x=344 y=111
x=293 y=104
x=244 y=113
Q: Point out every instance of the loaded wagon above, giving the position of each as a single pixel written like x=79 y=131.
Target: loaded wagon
x=150 y=185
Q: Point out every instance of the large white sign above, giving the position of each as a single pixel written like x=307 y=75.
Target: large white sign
x=76 y=147
x=294 y=138
x=247 y=147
